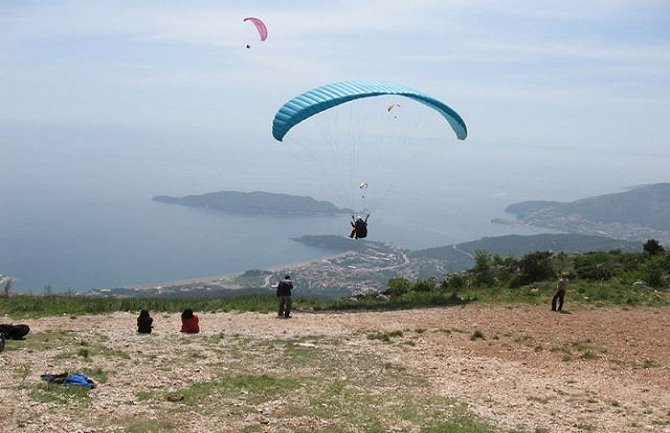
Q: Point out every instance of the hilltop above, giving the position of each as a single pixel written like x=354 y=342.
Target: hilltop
x=255 y=203
x=484 y=369
x=637 y=214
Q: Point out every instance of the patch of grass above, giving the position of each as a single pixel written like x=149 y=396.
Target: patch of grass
x=542 y=400
x=60 y=395
x=97 y=374
x=588 y=355
x=41 y=341
x=461 y=424
x=384 y=336
x=254 y=388
x=477 y=335
x=647 y=363
x=92 y=350
x=522 y=339
x=137 y=424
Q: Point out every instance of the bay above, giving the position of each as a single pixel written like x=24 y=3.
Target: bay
x=77 y=210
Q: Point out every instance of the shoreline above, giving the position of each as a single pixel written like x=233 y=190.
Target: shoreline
x=287 y=268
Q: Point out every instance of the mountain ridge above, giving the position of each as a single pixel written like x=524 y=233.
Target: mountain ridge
x=638 y=214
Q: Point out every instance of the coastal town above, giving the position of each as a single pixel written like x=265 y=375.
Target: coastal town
x=355 y=267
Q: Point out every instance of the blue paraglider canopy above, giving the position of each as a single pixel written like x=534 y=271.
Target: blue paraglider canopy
x=322 y=98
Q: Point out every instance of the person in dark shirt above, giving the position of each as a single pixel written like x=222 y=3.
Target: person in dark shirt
x=559 y=295
x=284 y=296
x=144 y=322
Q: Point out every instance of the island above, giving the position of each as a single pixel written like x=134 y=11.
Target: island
x=257 y=202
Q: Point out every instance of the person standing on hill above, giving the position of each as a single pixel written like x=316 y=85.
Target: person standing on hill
x=559 y=296
x=284 y=297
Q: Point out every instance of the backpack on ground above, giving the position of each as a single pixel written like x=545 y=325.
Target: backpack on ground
x=14 y=332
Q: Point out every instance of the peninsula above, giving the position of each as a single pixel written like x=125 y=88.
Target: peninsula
x=638 y=214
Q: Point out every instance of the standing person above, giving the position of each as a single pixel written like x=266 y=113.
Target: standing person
x=189 y=322
x=284 y=296
x=559 y=296
x=144 y=322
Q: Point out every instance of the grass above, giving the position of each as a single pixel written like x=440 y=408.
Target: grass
x=477 y=335
x=386 y=337
x=582 y=293
x=330 y=386
x=59 y=395
x=327 y=384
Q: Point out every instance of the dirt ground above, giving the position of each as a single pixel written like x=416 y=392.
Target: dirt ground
x=523 y=368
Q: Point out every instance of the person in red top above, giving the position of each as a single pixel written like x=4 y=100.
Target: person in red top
x=189 y=322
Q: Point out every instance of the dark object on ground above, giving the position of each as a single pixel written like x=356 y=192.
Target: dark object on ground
x=76 y=379
x=14 y=332
x=2 y=342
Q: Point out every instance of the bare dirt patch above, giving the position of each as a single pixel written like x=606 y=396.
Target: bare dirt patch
x=521 y=368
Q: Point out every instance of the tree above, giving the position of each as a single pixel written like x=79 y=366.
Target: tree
x=653 y=247
x=398 y=286
x=535 y=266
x=483 y=270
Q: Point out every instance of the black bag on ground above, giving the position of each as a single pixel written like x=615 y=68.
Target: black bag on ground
x=14 y=332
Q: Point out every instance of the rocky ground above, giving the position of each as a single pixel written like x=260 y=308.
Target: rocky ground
x=518 y=368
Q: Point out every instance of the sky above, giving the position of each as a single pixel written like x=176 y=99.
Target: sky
x=563 y=74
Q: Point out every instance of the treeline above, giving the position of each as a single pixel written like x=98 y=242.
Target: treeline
x=603 y=278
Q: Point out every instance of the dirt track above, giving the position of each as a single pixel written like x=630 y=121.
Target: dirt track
x=605 y=370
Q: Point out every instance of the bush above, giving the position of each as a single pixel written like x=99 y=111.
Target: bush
x=595 y=266
x=398 y=286
x=534 y=267
x=653 y=247
x=423 y=286
x=454 y=282
x=653 y=271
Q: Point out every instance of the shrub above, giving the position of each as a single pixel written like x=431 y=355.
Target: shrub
x=653 y=247
x=653 y=271
x=398 y=286
x=534 y=267
x=423 y=286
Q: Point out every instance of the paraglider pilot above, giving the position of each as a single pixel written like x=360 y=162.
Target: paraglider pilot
x=359 y=227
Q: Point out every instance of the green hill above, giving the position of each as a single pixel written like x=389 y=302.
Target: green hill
x=646 y=206
x=517 y=245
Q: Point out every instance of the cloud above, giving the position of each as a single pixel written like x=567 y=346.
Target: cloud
x=166 y=63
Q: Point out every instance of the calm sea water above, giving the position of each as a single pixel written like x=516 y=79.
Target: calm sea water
x=77 y=210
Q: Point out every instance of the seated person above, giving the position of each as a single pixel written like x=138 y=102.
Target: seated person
x=144 y=322
x=189 y=322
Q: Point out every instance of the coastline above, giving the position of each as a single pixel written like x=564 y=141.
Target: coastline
x=229 y=278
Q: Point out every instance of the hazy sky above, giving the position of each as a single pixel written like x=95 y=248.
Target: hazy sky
x=567 y=73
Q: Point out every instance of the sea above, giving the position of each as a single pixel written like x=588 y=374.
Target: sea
x=77 y=211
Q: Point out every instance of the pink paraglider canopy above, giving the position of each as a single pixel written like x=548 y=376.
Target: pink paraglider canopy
x=260 y=26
